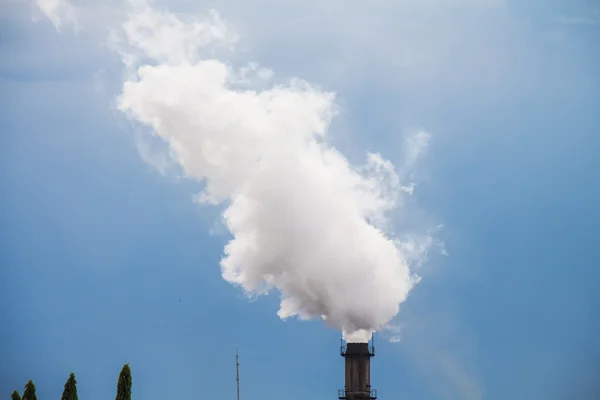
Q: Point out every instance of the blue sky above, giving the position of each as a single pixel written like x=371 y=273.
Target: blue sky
x=106 y=261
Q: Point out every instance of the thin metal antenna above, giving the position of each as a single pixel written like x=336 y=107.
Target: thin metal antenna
x=237 y=372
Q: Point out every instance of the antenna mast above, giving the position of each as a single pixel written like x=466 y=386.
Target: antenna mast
x=237 y=372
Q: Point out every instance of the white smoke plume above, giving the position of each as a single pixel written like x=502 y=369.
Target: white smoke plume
x=303 y=220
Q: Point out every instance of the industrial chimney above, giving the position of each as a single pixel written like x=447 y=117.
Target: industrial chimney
x=358 y=371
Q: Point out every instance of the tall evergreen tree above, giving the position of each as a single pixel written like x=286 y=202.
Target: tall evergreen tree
x=124 y=384
x=70 y=392
x=29 y=393
x=15 y=396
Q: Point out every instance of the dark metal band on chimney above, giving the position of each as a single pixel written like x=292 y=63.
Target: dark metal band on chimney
x=358 y=372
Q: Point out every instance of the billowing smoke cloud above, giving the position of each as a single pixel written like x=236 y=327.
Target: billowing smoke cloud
x=303 y=219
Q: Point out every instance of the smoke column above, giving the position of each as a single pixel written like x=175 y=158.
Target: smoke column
x=303 y=220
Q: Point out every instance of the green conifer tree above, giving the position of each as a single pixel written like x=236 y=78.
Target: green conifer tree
x=124 y=384
x=29 y=393
x=70 y=392
x=15 y=396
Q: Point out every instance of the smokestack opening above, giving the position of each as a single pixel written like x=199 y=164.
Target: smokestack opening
x=358 y=349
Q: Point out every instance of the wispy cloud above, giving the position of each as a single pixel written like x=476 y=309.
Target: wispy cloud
x=593 y=19
x=153 y=153
x=414 y=148
x=58 y=12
